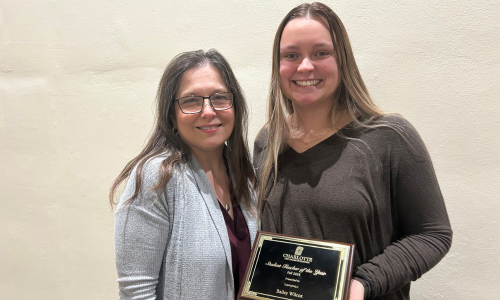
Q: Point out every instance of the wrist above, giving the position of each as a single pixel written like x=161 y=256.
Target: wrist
x=365 y=281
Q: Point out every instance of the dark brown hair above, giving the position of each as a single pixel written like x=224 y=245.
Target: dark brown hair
x=164 y=140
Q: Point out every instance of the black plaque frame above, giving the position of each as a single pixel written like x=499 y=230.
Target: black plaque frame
x=288 y=268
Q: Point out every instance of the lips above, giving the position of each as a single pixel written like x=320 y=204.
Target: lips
x=307 y=82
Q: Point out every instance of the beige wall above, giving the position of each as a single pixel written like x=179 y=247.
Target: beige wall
x=77 y=83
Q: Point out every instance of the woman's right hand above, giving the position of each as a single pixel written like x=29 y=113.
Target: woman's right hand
x=357 y=291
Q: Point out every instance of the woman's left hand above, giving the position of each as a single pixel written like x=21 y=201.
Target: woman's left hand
x=357 y=291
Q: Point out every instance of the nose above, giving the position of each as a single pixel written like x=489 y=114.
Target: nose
x=207 y=110
x=305 y=65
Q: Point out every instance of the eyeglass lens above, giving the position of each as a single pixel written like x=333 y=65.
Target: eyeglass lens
x=194 y=104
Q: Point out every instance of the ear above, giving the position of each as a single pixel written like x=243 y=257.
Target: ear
x=174 y=120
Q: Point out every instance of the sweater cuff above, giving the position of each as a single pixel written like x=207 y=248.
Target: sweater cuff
x=365 y=281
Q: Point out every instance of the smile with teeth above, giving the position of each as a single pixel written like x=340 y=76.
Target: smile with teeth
x=307 y=82
x=209 y=127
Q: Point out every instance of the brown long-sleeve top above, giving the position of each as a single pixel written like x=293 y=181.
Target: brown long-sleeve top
x=373 y=187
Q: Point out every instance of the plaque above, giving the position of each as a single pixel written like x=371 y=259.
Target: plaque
x=288 y=267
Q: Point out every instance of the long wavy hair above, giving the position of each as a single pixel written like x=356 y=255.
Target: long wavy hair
x=351 y=95
x=164 y=140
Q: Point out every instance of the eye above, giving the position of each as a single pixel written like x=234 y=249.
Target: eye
x=322 y=53
x=290 y=56
x=188 y=100
x=219 y=97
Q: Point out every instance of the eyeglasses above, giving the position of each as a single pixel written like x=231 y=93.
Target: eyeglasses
x=195 y=104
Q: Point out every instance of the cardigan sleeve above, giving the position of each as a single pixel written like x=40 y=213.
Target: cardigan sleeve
x=141 y=235
x=423 y=229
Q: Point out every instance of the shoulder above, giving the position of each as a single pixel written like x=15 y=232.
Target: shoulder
x=400 y=134
x=259 y=147
x=144 y=179
x=395 y=120
x=391 y=122
x=390 y=134
x=390 y=127
x=261 y=139
x=400 y=128
x=150 y=170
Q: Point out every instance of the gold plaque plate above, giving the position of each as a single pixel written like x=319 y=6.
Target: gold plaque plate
x=289 y=267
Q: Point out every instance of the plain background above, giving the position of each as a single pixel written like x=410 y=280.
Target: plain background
x=77 y=86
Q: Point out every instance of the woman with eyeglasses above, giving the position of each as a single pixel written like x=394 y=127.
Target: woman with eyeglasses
x=334 y=166
x=186 y=220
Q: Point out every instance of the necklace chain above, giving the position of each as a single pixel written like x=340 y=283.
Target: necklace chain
x=306 y=144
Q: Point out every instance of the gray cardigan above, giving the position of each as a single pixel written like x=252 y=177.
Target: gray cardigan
x=174 y=245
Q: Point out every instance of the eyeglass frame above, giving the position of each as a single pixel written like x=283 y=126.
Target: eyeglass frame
x=203 y=103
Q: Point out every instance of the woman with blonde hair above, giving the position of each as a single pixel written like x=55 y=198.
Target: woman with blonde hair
x=334 y=166
x=185 y=222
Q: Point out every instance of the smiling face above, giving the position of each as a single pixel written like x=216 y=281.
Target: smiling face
x=309 y=72
x=208 y=129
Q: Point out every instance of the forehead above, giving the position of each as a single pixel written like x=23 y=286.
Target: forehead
x=200 y=81
x=305 y=31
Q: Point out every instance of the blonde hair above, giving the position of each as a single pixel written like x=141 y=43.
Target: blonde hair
x=351 y=95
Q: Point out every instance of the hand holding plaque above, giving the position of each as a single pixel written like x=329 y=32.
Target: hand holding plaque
x=286 y=267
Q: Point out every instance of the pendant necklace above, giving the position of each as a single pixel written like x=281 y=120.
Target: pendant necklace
x=306 y=144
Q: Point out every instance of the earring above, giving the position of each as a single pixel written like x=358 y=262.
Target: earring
x=175 y=131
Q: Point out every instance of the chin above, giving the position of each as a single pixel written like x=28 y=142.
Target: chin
x=213 y=146
x=305 y=102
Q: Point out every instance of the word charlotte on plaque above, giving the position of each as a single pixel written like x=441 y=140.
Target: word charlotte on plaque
x=288 y=267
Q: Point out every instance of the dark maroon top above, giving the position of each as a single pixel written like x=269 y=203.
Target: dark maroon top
x=239 y=238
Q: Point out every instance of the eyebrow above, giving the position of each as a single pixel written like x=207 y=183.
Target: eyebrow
x=216 y=91
x=293 y=47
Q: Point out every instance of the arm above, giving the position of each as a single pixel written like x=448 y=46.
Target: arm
x=423 y=231
x=141 y=234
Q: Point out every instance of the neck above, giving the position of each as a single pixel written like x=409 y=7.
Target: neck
x=315 y=119
x=210 y=160
x=310 y=120
x=212 y=163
